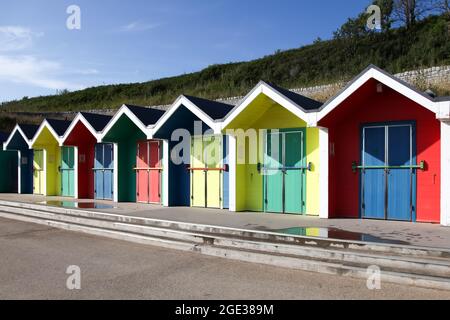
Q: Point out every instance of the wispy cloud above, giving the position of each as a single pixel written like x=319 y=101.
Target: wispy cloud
x=14 y=38
x=30 y=70
x=86 y=72
x=139 y=26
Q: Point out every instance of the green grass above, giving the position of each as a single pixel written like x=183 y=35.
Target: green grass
x=397 y=50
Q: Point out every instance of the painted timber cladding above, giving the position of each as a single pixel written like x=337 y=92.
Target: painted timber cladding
x=67 y=171
x=263 y=114
x=46 y=144
x=47 y=157
x=83 y=135
x=9 y=165
x=388 y=185
x=125 y=130
x=149 y=171
x=332 y=137
x=39 y=177
x=364 y=106
x=209 y=171
x=191 y=181
x=104 y=171
x=18 y=141
x=284 y=171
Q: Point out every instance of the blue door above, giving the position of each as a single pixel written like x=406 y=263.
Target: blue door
x=104 y=171
x=373 y=180
x=401 y=182
x=388 y=173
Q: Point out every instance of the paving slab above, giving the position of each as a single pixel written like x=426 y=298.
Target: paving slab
x=417 y=234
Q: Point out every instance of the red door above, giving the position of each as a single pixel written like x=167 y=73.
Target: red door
x=148 y=172
x=154 y=194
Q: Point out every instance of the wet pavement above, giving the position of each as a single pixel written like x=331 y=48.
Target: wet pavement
x=333 y=233
x=393 y=232
x=76 y=204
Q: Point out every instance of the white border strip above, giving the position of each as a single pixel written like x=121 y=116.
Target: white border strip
x=124 y=110
x=184 y=101
x=374 y=73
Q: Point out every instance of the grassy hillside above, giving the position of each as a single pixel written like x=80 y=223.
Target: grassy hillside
x=428 y=44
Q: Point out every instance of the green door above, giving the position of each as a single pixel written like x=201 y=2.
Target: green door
x=285 y=172
x=273 y=173
x=67 y=171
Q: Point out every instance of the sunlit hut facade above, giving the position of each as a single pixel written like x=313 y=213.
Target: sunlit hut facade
x=132 y=144
x=197 y=175
x=48 y=157
x=83 y=136
x=387 y=151
x=276 y=154
x=18 y=141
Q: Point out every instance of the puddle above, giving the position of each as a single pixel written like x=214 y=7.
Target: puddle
x=80 y=205
x=94 y=205
x=334 y=233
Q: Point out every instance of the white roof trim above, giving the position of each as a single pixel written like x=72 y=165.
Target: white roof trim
x=80 y=118
x=11 y=135
x=123 y=111
x=43 y=125
x=374 y=73
x=183 y=101
x=264 y=88
x=443 y=110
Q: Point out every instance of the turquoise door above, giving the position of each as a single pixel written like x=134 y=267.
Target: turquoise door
x=285 y=171
x=67 y=171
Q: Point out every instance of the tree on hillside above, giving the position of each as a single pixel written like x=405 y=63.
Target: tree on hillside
x=387 y=7
x=443 y=6
x=356 y=27
x=409 y=11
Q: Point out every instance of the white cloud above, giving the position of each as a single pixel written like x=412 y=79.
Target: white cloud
x=30 y=70
x=139 y=26
x=16 y=38
x=87 y=72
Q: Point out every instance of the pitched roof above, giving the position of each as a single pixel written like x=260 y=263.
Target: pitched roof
x=60 y=126
x=97 y=121
x=214 y=109
x=305 y=103
x=29 y=130
x=147 y=116
x=387 y=74
x=3 y=136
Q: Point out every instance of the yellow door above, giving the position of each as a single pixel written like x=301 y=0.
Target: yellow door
x=38 y=172
x=198 y=182
x=213 y=159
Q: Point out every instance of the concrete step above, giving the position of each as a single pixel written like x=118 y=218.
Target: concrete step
x=269 y=258
x=410 y=264
x=438 y=265
x=315 y=242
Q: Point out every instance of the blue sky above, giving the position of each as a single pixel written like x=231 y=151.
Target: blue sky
x=141 y=40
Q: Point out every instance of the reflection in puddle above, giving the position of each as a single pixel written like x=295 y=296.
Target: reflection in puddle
x=73 y=204
x=334 y=233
